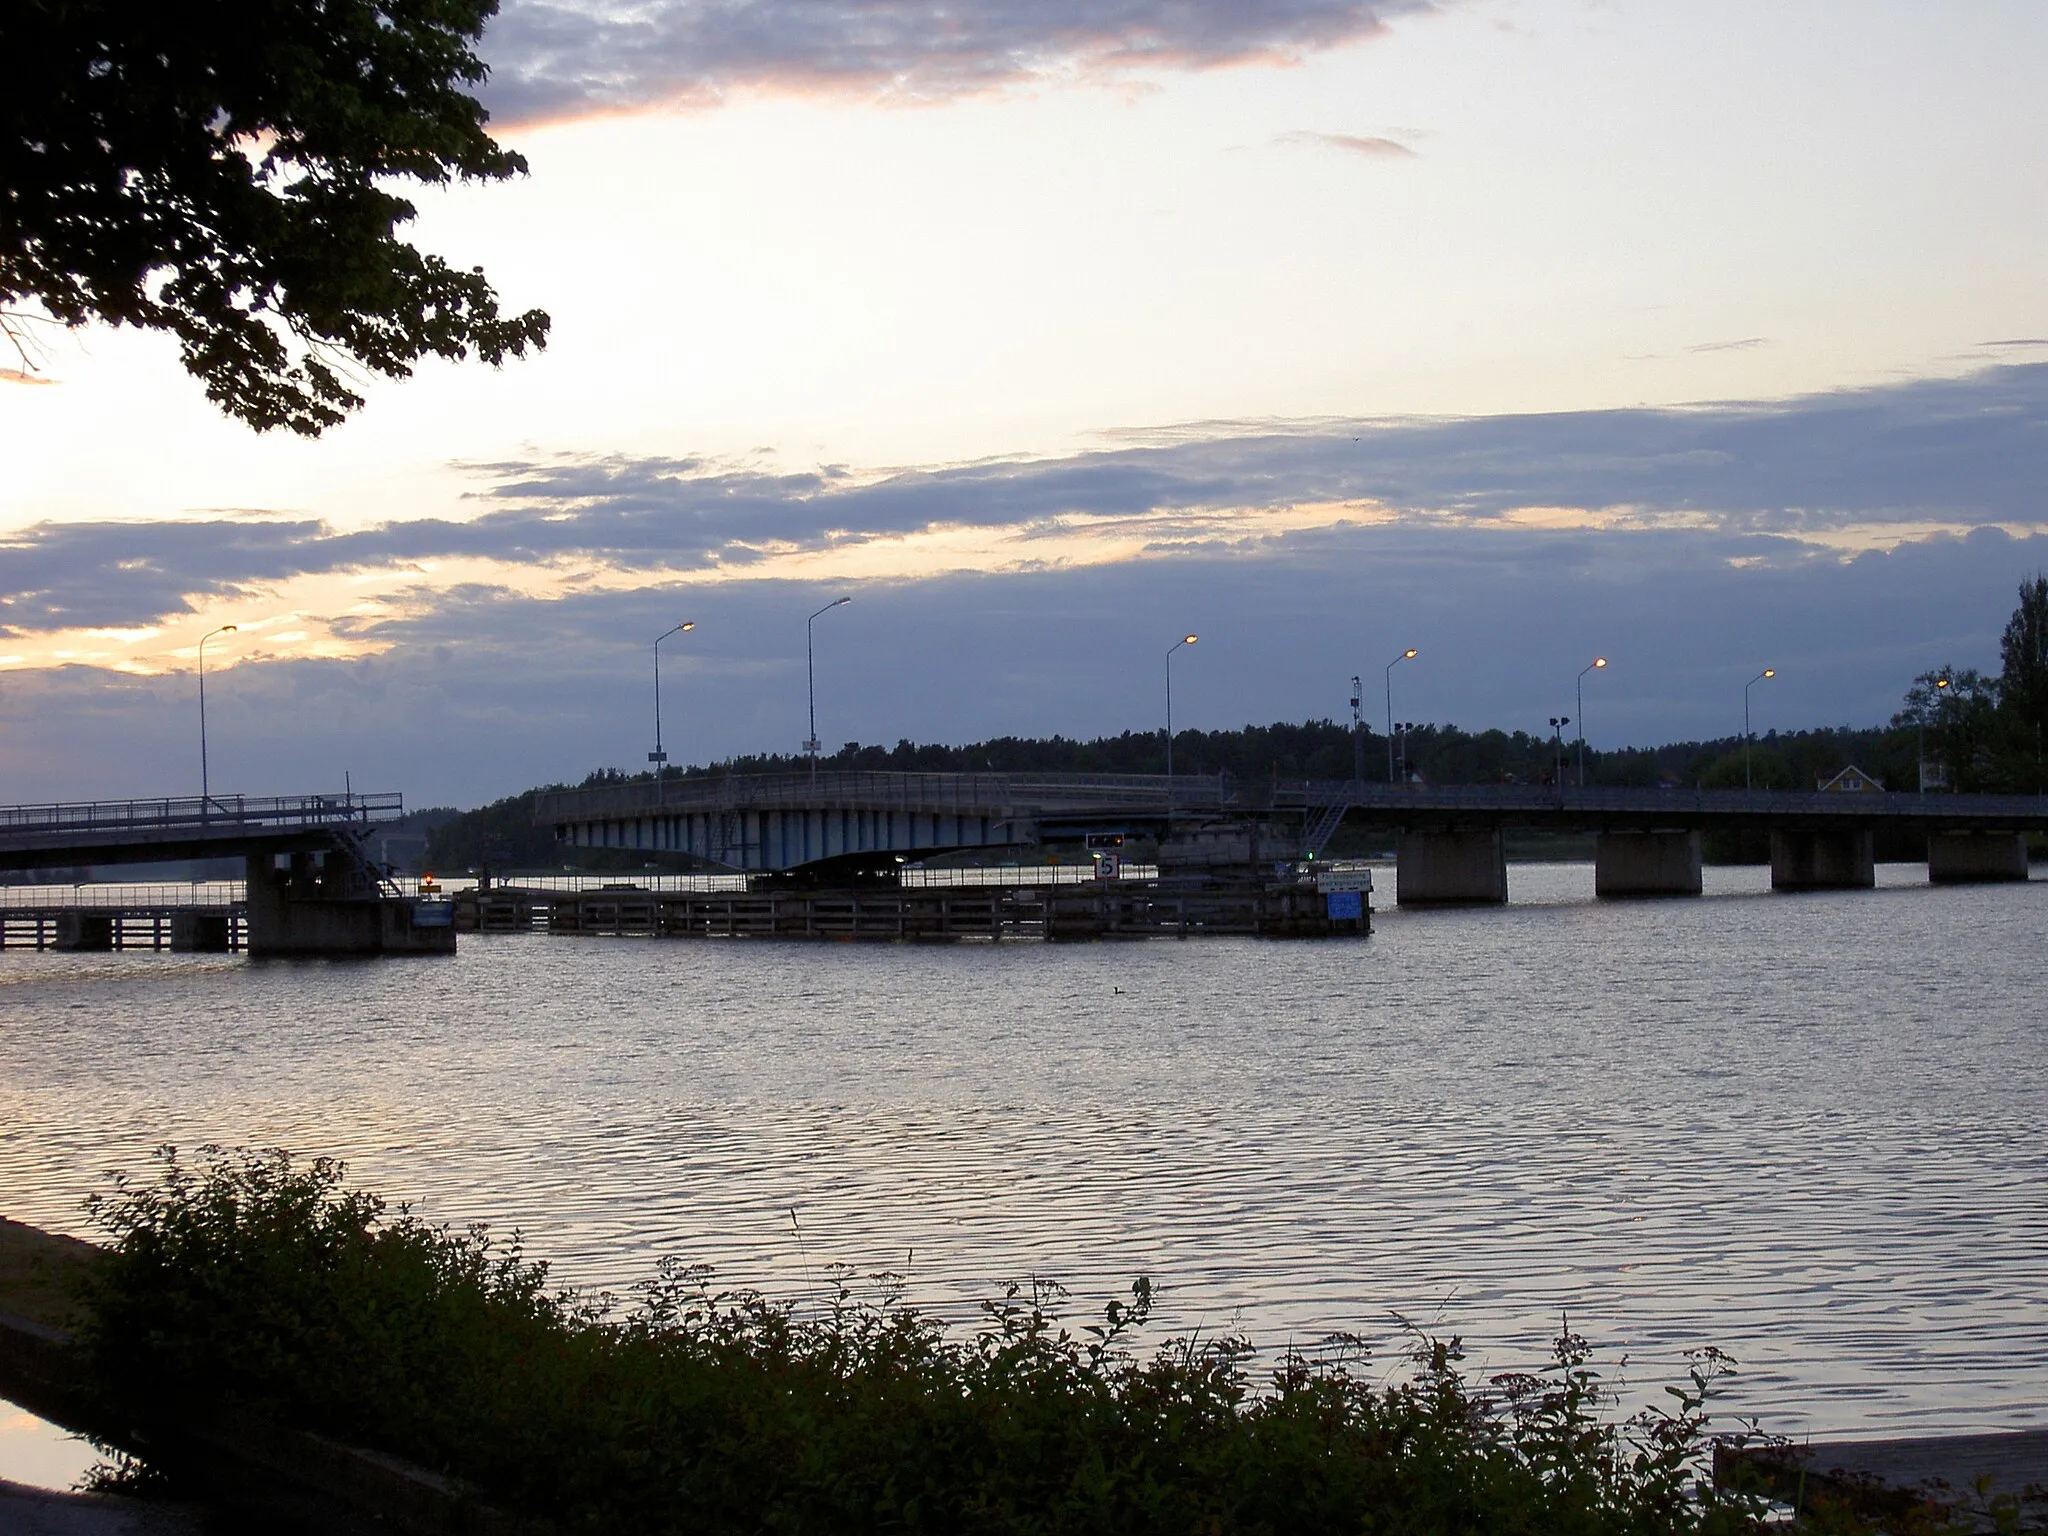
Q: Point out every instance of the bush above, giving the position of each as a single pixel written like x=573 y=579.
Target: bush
x=260 y=1279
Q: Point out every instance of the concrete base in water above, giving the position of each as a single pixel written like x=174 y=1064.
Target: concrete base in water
x=300 y=906
x=1829 y=860
x=1438 y=869
x=1647 y=864
x=202 y=932
x=85 y=931
x=1976 y=858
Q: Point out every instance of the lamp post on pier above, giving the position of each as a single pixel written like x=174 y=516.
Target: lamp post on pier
x=811 y=679
x=1594 y=665
x=1184 y=640
x=1768 y=672
x=205 y=787
x=1407 y=655
x=658 y=757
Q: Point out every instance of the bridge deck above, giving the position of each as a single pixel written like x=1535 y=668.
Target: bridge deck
x=778 y=820
x=130 y=831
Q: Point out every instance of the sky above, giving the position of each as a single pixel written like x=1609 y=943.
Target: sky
x=1705 y=335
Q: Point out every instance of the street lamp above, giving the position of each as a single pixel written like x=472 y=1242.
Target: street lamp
x=1557 y=725
x=1939 y=683
x=1184 y=640
x=658 y=757
x=206 y=788
x=1594 y=665
x=1357 y=734
x=811 y=676
x=1767 y=672
x=1407 y=655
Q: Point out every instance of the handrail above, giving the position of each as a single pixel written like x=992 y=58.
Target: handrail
x=218 y=814
x=1034 y=795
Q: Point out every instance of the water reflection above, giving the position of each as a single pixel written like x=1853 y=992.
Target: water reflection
x=1806 y=1128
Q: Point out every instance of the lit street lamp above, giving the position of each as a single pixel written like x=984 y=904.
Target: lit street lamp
x=658 y=757
x=1184 y=640
x=1767 y=672
x=205 y=787
x=1407 y=655
x=811 y=676
x=1921 y=775
x=1592 y=666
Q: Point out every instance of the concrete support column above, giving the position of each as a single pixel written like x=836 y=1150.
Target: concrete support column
x=201 y=932
x=85 y=931
x=1829 y=860
x=1976 y=858
x=1647 y=863
x=1434 y=869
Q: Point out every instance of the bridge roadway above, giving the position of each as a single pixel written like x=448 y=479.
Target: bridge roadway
x=312 y=889
x=1448 y=839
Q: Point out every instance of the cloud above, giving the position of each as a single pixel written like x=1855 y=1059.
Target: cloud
x=490 y=691
x=556 y=58
x=1372 y=148
x=1824 y=471
x=1742 y=344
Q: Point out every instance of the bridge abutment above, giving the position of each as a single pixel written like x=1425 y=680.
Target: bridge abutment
x=1976 y=858
x=1441 y=869
x=1831 y=859
x=1647 y=863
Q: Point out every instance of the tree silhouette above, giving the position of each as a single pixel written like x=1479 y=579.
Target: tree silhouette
x=221 y=169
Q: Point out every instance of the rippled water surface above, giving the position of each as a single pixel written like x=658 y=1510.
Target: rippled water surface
x=1808 y=1129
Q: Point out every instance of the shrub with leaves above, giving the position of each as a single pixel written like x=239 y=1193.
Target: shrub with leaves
x=258 y=1279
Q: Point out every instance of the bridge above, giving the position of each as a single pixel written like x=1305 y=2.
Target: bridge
x=1449 y=840
x=312 y=888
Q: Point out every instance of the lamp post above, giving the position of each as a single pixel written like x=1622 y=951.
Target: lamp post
x=811 y=678
x=1557 y=725
x=1407 y=655
x=205 y=787
x=1921 y=773
x=658 y=757
x=1184 y=640
x=1357 y=734
x=1595 y=665
x=1766 y=673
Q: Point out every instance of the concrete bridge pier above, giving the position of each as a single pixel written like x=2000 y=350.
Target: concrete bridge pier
x=1441 y=869
x=85 y=932
x=1822 y=860
x=326 y=903
x=202 y=932
x=1976 y=858
x=1647 y=863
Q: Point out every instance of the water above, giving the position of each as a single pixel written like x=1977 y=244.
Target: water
x=1806 y=1129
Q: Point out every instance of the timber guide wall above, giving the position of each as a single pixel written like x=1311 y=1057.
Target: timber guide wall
x=1097 y=910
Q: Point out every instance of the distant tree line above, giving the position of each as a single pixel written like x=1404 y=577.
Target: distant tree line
x=1971 y=732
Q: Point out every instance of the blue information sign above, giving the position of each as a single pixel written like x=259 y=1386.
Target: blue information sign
x=1344 y=904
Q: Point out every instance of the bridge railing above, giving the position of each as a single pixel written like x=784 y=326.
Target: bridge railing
x=1004 y=795
x=224 y=814
x=941 y=793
